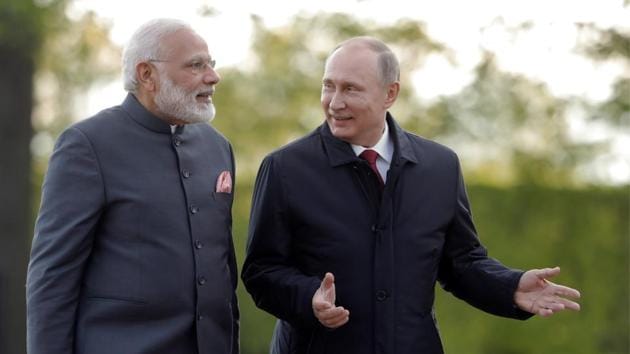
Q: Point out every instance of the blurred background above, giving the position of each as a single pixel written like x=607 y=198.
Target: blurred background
x=534 y=96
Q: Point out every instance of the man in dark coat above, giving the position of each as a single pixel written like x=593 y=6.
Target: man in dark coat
x=352 y=225
x=133 y=250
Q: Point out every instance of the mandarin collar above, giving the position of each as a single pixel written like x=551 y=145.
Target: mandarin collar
x=142 y=116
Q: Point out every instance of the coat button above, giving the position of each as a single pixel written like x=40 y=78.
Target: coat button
x=374 y=228
x=194 y=209
x=201 y=280
x=381 y=295
x=198 y=245
x=185 y=173
x=177 y=141
x=199 y=317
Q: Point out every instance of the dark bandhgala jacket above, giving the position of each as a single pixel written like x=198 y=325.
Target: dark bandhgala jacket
x=317 y=209
x=133 y=250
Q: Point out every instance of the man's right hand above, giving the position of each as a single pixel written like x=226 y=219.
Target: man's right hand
x=324 y=308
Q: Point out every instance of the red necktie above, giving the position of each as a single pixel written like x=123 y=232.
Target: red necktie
x=370 y=156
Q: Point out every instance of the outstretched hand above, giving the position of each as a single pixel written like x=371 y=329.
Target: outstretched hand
x=537 y=295
x=324 y=308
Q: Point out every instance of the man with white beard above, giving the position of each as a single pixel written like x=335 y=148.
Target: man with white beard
x=133 y=250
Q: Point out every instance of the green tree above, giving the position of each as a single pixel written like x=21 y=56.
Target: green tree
x=611 y=44
x=511 y=129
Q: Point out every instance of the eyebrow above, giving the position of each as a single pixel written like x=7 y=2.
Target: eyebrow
x=343 y=83
x=200 y=57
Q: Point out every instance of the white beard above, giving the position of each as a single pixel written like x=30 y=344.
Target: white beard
x=175 y=102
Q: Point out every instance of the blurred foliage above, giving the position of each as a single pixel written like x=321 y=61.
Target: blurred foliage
x=62 y=82
x=69 y=54
x=587 y=234
x=611 y=45
x=25 y=24
x=510 y=127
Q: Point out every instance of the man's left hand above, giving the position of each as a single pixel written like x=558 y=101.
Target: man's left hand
x=537 y=295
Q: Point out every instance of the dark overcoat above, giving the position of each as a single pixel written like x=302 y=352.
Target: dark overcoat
x=317 y=209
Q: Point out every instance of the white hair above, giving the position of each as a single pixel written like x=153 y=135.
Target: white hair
x=146 y=44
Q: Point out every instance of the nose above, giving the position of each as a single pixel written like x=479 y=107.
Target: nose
x=336 y=102
x=211 y=76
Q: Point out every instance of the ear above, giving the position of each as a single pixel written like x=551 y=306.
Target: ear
x=392 y=93
x=146 y=76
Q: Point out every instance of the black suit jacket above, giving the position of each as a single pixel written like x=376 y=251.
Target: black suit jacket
x=317 y=209
x=133 y=249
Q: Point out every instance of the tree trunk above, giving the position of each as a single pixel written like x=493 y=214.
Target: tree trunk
x=16 y=221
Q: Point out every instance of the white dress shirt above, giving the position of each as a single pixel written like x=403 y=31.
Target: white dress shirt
x=385 y=149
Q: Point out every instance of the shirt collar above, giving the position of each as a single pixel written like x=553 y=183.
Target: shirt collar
x=384 y=147
x=339 y=152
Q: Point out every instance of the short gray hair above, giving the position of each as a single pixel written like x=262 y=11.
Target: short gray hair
x=389 y=69
x=146 y=44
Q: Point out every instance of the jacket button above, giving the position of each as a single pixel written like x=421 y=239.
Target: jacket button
x=374 y=228
x=177 y=141
x=198 y=245
x=185 y=173
x=381 y=295
x=194 y=209
x=199 y=317
x=201 y=280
